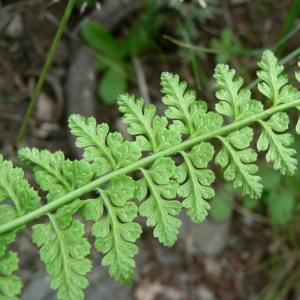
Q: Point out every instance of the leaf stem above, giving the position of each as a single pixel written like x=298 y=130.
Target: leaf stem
x=142 y=163
x=45 y=70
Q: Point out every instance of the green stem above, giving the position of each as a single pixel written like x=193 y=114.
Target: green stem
x=93 y=185
x=45 y=70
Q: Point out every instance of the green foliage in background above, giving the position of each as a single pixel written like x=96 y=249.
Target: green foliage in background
x=114 y=59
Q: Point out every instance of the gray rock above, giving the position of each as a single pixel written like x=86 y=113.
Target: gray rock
x=210 y=237
x=168 y=257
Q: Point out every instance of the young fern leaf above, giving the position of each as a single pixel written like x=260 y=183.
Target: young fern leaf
x=278 y=143
x=273 y=87
x=150 y=130
x=64 y=254
x=23 y=199
x=195 y=180
x=238 y=162
x=274 y=82
x=115 y=233
x=160 y=212
x=234 y=101
x=107 y=150
x=235 y=154
x=191 y=119
x=190 y=116
x=152 y=135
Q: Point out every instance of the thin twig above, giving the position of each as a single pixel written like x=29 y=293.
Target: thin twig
x=142 y=83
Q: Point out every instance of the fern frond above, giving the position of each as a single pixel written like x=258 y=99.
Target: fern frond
x=278 y=143
x=55 y=174
x=190 y=116
x=25 y=199
x=108 y=161
x=238 y=162
x=115 y=233
x=64 y=254
x=63 y=251
x=160 y=212
x=152 y=134
x=182 y=105
x=235 y=154
x=195 y=180
x=107 y=150
x=274 y=82
x=235 y=102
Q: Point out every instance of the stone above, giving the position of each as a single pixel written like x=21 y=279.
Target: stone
x=210 y=237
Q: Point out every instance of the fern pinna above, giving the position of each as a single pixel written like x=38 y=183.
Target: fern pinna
x=163 y=187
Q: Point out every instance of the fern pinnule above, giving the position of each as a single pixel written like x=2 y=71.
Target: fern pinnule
x=273 y=84
x=115 y=233
x=160 y=212
x=274 y=87
x=63 y=250
x=106 y=150
x=150 y=130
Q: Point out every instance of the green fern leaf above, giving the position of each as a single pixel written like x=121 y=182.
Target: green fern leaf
x=195 y=180
x=116 y=233
x=59 y=176
x=278 y=143
x=107 y=150
x=63 y=251
x=160 y=212
x=14 y=187
x=63 y=248
x=190 y=116
x=46 y=167
x=10 y=285
x=274 y=82
x=151 y=131
x=235 y=102
x=182 y=106
x=25 y=199
x=238 y=162
x=92 y=210
x=55 y=174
